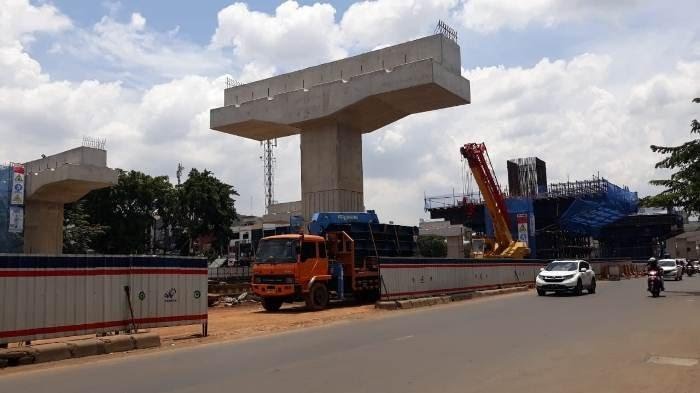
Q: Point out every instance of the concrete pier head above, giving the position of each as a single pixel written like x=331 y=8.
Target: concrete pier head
x=54 y=181
x=331 y=105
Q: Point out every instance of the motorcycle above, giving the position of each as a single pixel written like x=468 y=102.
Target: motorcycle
x=690 y=269
x=654 y=283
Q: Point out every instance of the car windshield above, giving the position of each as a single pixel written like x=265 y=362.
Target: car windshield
x=667 y=263
x=277 y=250
x=561 y=267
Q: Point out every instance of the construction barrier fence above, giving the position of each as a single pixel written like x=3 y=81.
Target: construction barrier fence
x=58 y=296
x=404 y=278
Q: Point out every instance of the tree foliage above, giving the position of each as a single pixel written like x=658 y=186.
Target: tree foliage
x=124 y=218
x=79 y=233
x=205 y=207
x=432 y=246
x=683 y=188
x=129 y=211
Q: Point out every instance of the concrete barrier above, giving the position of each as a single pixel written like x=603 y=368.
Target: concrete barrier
x=18 y=356
x=51 y=352
x=87 y=347
x=146 y=340
x=117 y=343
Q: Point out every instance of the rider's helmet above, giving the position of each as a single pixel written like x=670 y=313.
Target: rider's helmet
x=652 y=259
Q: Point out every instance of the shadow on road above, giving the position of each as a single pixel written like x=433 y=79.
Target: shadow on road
x=683 y=293
x=298 y=308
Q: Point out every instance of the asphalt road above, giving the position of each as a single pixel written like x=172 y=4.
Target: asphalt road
x=514 y=343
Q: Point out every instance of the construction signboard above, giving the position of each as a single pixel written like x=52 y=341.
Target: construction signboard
x=17 y=192
x=522 y=220
x=16 y=222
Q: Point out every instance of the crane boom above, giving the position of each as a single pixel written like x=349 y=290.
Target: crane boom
x=480 y=165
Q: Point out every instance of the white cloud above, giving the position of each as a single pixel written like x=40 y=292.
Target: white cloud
x=300 y=35
x=368 y=24
x=487 y=16
x=21 y=20
x=145 y=54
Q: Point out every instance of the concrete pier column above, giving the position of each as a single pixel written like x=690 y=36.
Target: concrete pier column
x=43 y=227
x=331 y=168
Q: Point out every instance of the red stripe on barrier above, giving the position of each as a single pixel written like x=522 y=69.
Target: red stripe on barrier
x=94 y=272
x=416 y=266
x=463 y=289
x=99 y=325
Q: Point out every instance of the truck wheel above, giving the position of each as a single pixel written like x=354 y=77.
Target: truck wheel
x=317 y=299
x=271 y=304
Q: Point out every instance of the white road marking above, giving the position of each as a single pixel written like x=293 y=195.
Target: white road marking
x=402 y=338
x=685 y=362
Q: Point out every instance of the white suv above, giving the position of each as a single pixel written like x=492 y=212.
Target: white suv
x=566 y=276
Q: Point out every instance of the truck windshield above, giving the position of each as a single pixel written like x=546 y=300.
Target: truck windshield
x=277 y=250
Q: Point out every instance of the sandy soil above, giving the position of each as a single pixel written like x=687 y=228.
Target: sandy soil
x=249 y=320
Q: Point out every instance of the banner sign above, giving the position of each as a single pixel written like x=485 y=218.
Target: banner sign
x=522 y=227
x=17 y=194
x=16 y=224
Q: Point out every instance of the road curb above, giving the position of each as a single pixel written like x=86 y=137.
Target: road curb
x=431 y=301
x=44 y=353
x=51 y=352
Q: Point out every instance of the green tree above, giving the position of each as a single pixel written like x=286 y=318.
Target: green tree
x=129 y=211
x=683 y=188
x=205 y=207
x=78 y=232
x=432 y=246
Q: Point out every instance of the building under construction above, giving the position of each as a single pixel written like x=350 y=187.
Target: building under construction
x=574 y=219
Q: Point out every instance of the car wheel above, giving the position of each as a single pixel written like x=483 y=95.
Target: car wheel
x=541 y=292
x=579 y=288
x=591 y=289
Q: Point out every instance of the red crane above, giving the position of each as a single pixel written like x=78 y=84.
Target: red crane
x=480 y=165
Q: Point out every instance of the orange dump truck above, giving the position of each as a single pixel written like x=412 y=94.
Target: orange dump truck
x=341 y=260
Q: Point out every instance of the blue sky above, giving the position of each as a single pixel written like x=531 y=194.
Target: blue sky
x=585 y=85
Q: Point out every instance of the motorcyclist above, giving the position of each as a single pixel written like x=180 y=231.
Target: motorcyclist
x=653 y=265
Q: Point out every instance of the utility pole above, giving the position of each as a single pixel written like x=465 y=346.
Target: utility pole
x=268 y=159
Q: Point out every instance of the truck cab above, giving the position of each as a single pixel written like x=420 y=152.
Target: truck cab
x=290 y=268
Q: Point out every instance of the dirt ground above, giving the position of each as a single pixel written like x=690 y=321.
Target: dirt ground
x=249 y=320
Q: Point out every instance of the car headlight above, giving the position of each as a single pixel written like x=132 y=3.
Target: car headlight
x=568 y=276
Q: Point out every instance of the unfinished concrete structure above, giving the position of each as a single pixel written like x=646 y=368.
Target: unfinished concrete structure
x=333 y=104
x=54 y=181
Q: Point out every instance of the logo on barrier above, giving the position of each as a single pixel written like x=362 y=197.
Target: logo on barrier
x=197 y=294
x=170 y=296
x=142 y=295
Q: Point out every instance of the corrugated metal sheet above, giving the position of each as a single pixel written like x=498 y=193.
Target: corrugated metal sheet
x=406 y=279
x=57 y=296
x=238 y=272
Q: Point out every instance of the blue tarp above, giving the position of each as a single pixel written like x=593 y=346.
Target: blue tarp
x=590 y=213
